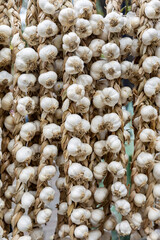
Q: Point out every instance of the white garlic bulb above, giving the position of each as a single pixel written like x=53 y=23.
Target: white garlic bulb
x=97 y=216
x=6 y=78
x=100 y=194
x=113 y=144
x=80 y=215
x=151 y=64
x=27 y=200
x=116 y=169
x=26 y=105
x=126 y=94
x=96 y=70
x=100 y=148
x=44 y=215
x=112 y=70
x=123 y=207
x=24 y=223
x=51 y=130
x=2 y=204
x=49 y=152
x=8 y=216
x=111 y=51
x=114 y=21
x=64 y=231
x=74 y=123
x=74 y=65
x=119 y=190
x=96 y=47
x=125 y=45
x=26 y=82
x=75 y=92
x=49 y=105
x=27 y=174
x=61 y=183
x=48 y=79
x=94 y=235
x=139 y=199
x=140 y=179
x=100 y=170
x=31 y=36
x=50 y=7
x=97 y=24
x=147 y=135
x=148 y=113
x=63 y=207
x=81 y=232
x=76 y=171
x=156 y=171
x=28 y=131
x=47 y=28
x=152 y=86
x=5 y=34
x=112 y=121
x=83 y=105
x=46 y=173
x=136 y=221
x=10 y=191
x=150 y=36
x=70 y=42
x=7 y=101
x=145 y=159
x=26 y=60
x=84 y=79
x=152 y=9
x=156 y=191
x=83 y=8
x=80 y=194
x=48 y=53
x=84 y=53
x=67 y=17
x=24 y=154
x=5 y=57
x=153 y=214
x=9 y=123
x=83 y=28
x=123 y=228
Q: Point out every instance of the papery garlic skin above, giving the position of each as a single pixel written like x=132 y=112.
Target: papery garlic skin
x=63 y=207
x=152 y=9
x=31 y=36
x=145 y=159
x=94 y=235
x=79 y=194
x=156 y=191
x=47 y=28
x=5 y=57
x=46 y=173
x=153 y=214
x=112 y=121
x=84 y=53
x=48 y=79
x=139 y=199
x=100 y=170
x=114 y=22
x=113 y=144
x=140 y=179
x=150 y=36
x=7 y=101
x=81 y=232
x=8 y=216
x=80 y=215
x=136 y=221
x=96 y=47
x=84 y=79
x=44 y=215
x=75 y=92
x=48 y=53
x=74 y=123
x=97 y=216
x=28 y=131
x=148 y=113
x=96 y=70
x=27 y=200
x=70 y=42
x=119 y=190
x=61 y=183
x=83 y=8
x=111 y=51
x=123 y=207
x=116 y=168
x=97 y=24
x=147 y=135
x=67 y=17
x=100 y=194
x=6 y=79
x=24 y=223
x=27 y=174
x=74 y=65
x=123 y=228
x=112 y=70
x=51 y=130
x=49 y=6
x=26 y=82
x=156 y=171
x=26 y=60
x=152 y=86
x=83 y=28
x=5 y=34
x=26 y=105
x=125 y=45
x=24 y=154
x=151 y=64
x=64 y=231
x=49 y=105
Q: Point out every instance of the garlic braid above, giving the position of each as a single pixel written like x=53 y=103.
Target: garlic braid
x=146 y=122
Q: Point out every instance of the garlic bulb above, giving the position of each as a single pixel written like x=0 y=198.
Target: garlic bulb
x=112 y=122
x=2 y=204
x=123 y=228
x=5 y=34
x=47 y=28
x=126 y=94
x=110 y=223
x=8 y=216
x=74 y=123
x=153 y=214
x=96 y=47
x=49 y=105
x=119 y=190
x=84 y=53
x=139 y=199
x=123 y=207
x=64 y=231
x=70 y=42
x=140 y=179
x=156 y=191
x=83 y=105
x=136 y=221
x=77 y=171
x=27 y=200
x=26 y=105
x=148 y=113
x=26 y=60
x=125 y=45
x=147 y=135
x=74 y=65
x=80 y=194
x=43 y=216
x=24 y=223
x=83 y=28
x=6 y=79
x=84 y=79
x=48 y=53
x=81 y=232
x=75 y=92
x=63 y=207
x=100 y=170
x=113 y=144
x=24 y=154
x=114 y=22
x=46 y=173
x=94 y=235
x=150 y=36
x=80 y=215
x=156 y=171
x=28 y=131
x=111 y=51
x=5 y=57
x=100 y=148
x=97 y=216
x=152 y=9
x=7 y=101
x=112 y=70
x=116 y=169
x=9 y=123
x=25 y=238
x=49 y=152
x=145 y=159
x=83 y=8
x=51 y=131
x=100 y=194
x=67 y=17
x=152 y=86
x=151 y=64
x=97 y=24
x=96 y=70
x=26 y=82
x=31 y=36
x=49 y=6
x=61 y=183
x=10 y=191
x=27 y=174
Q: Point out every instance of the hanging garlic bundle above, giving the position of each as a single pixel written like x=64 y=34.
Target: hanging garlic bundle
x=50 y=112
x=25 y=62
x=146 y=121
x=5 y=103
